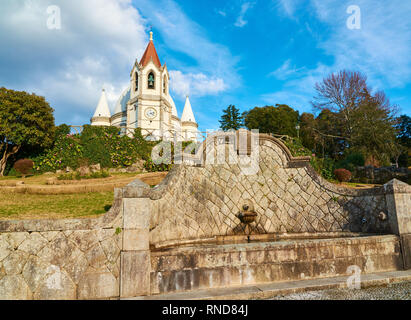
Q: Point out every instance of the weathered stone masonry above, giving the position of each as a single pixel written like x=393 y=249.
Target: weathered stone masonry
x=63 y=259
x=172 y=237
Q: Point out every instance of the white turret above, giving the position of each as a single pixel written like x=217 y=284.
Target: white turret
x=189 y=126
x=102 y=115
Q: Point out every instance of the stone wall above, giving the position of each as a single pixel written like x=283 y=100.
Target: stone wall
x=197 y=204
x=63 y=259
x=286 y=193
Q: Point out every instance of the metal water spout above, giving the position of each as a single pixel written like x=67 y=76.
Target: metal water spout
x=247 y=215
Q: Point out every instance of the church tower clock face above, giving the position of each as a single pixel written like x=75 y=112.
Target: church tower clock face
x=150 y=113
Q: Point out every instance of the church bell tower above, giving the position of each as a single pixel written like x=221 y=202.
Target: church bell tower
x=149 y=106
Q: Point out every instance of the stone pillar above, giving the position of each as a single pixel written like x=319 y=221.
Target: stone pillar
x=398 y=196
x=135 y=257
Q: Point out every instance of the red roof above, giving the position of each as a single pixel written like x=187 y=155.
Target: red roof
x=150 y=53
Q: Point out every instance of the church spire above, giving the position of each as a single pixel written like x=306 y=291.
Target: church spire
x=188 y=115
x=150 y=53
x=102 y=115
x=102 y=109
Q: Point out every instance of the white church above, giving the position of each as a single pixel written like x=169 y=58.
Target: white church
x=147 y=104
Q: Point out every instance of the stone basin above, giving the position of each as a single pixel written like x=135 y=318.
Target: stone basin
x=235 y=262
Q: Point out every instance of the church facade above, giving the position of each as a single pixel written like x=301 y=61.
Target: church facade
x=147 y=104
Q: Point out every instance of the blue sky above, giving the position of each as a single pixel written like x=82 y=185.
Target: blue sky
x=247 y=53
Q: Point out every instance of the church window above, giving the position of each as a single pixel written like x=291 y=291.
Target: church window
x=151 y=81
x=164 y=86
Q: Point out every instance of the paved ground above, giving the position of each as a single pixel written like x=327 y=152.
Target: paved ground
x=382 y=286
x=398 y=291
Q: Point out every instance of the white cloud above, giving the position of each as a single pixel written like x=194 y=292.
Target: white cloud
x=195 y=84
x=95 y=47
x=286 y=70
x=222 y=13
x=380 y=49
x=240 y=22
x=213 y=69
x=288 y=7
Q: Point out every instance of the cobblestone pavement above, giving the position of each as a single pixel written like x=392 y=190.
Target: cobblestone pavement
x=399 y=291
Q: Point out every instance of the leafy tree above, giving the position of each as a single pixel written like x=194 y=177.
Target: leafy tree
x=361 y=122
x=308 y=135
x=404 y=130
x=403 y=127
x=26 y=121
x=373 y=133
x=327 y=130
x=351 y=161
x=280 y=119
x=231 y=119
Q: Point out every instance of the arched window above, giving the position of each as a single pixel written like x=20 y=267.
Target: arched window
x=136 y=81
x=165 y=85
x=151 y=80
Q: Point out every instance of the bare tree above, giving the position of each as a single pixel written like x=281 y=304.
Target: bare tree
x=361 y=120
x=341 y=93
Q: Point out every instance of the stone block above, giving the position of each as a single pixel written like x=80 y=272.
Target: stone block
x=406 y=250
x=14 y=263
x=57 y=285
x=136 y=213
x=98 y=286
x=5 y=248
x=398 y=200
x=135 y=239
x=14 y=288
x=135 y=274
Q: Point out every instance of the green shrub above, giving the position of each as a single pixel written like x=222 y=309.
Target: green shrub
x=62 y=130
x=150 y=166
x=95 y=145
x=325 y=167
x=350 y=162
x=296 y=147
x=12 y=173
x=66 y=152
x=77 y=176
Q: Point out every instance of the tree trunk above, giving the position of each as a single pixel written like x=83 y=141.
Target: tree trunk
x=6 y=155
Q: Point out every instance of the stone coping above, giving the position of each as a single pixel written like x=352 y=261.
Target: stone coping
x=258 y=246
x=267 y=237
x=104 y=221
x=143 y=191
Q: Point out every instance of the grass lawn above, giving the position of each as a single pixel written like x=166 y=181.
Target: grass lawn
x=355 y=185
x=15 y=206
x=41 y=179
